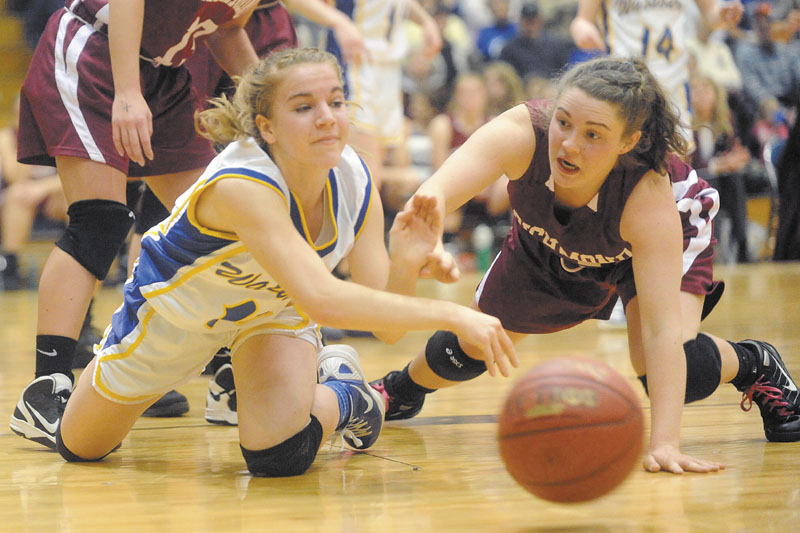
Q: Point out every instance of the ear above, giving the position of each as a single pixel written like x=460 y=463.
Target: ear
x=630 y=143
x=265 y=129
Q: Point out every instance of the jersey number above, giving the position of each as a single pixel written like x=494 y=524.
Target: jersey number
x=664 y=46
x=238 y=314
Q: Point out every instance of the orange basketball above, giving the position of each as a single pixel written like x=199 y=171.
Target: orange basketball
x=571 y=430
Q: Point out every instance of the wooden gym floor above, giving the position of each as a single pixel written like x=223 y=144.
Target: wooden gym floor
x=438 y=472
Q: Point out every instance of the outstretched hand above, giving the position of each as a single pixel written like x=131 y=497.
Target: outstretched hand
x=415 y=233
x=669 y=458
x=487 y=340
x=423 y=214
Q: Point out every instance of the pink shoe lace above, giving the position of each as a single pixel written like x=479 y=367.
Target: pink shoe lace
x=381 y=387
x=773 y=397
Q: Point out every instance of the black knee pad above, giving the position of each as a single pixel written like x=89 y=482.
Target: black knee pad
x=96 y=231
x=67 y=454
x=703 y=368
x=447 y=360
x=149 y=212
x=291 y=457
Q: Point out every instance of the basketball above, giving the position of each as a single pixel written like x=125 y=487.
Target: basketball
x=571 y=429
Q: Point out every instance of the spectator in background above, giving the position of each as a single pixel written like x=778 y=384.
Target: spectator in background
x=719 y=157
x=712 y=57
x=458 y=41
x=374 y=87
x=504 y=87
x=770 y=70
x=533 y=50
x=468 y=110
x=492 y=38
x=34 y=15
x=537 y=88
x=27 y=190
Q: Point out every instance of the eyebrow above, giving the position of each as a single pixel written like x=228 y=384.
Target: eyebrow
x=336 y=89
x=590 y=122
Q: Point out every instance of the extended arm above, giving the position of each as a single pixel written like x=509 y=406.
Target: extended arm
x=504 y=145
x=720 y=15
x=431 y=36
x=652 y=225
x=583 y=29
x=248 y=208
x=231 y=46
x=347 y=34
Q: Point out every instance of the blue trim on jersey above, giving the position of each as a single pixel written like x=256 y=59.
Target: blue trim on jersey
x=126 y=318
x=249 y=173
x=183 y=243
x=348 y=7
x=688 y=90
x=297 y=218
x=334 y=193
x=362 y=214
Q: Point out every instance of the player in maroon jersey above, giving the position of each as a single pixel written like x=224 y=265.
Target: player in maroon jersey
x=106 y=98
x=594 y=186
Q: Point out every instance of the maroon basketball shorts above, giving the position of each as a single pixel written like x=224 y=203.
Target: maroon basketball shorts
x=66 y=100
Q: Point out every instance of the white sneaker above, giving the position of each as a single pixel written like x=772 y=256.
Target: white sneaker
x=338 y=368
x=221 y=398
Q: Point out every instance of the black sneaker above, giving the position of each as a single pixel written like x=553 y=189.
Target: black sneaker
x=775 y=393
x=40 y=408
x=170 y=405
x=395 y=409
x=221 y=398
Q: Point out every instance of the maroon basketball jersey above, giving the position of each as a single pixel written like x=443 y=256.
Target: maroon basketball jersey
x=587 y=236
x=172 y=29
x=559 y=266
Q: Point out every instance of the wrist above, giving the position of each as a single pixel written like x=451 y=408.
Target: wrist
x=405 y=269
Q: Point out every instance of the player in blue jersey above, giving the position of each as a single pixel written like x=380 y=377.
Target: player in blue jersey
x=245 y=260
x=594 y=186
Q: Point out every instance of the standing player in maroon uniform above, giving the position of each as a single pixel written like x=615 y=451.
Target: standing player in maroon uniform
x=106 y=98
x=594 y=187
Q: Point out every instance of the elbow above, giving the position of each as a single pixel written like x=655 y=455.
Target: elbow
x=388 y=337
x=321 y=306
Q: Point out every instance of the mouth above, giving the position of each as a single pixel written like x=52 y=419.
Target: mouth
x=566 y=167
x=328 y=139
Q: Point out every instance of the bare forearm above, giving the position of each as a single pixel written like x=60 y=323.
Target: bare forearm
x=232 y=49
x=666 y=381
x=403 y=282
x=351 y=306
x=126 y=18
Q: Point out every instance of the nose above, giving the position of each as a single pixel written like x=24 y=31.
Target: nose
x=570 y=143
x=325 y=115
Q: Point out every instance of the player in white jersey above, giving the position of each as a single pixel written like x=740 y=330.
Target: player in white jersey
x=245 y=260
x=653 y=30
x=374 y=85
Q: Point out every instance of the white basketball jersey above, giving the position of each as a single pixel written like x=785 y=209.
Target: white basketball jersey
x=201 y=279
x=653 y=30
x=382 y=23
